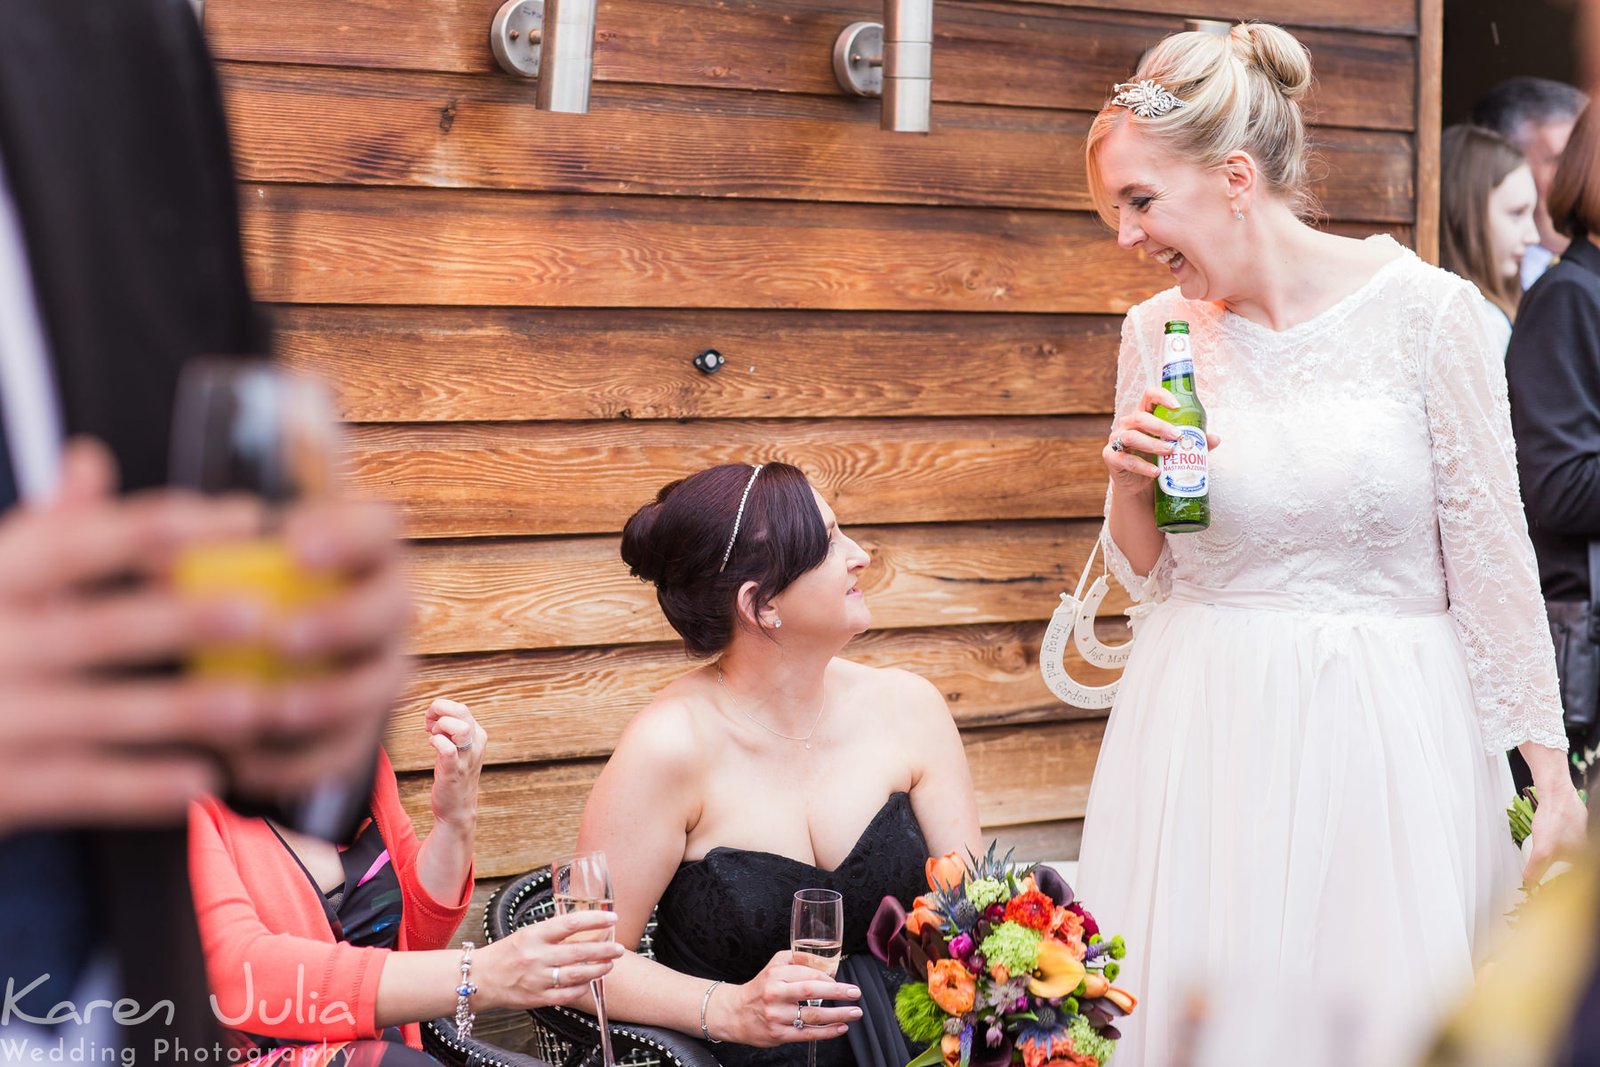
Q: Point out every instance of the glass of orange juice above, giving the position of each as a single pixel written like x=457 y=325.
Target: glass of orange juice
x=249 y=426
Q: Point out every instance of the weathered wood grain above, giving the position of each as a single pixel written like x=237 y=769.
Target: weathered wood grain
x=572 y=592
x=1375 y=16
x=429 y=246
x=309 y=124
x=529 y=814
x=495 y=365
x=1430 y=105
x=477 y=480
x=574 y=703
x=1026 y=55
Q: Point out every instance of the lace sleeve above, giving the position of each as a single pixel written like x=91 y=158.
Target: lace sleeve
x=1490 y=574
x=1133 y=376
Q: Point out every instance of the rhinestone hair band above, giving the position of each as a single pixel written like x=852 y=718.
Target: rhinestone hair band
x=738 y=516
x=1148 y=99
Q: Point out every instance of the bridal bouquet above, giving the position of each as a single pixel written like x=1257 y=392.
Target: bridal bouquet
x=1007 y=967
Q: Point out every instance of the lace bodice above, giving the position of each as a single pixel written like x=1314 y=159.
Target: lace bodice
x=1366 y=455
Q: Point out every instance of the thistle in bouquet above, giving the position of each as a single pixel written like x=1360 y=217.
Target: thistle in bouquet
x=1006 y=966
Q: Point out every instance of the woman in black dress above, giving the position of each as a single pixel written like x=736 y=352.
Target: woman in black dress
x=775 y=766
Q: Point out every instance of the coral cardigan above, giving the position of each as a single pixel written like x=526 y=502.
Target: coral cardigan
x=274 y=966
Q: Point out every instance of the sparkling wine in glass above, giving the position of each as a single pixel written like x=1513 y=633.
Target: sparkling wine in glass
x=583 y=883
x=250 y=427
x=816 y=937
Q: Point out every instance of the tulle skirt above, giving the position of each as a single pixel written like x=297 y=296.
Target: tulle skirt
x=1295 y=826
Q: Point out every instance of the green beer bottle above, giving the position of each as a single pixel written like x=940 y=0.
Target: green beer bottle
x=1183 y=502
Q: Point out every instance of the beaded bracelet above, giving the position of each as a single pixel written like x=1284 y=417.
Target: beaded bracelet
x=465 y=1016
x=705 y=1032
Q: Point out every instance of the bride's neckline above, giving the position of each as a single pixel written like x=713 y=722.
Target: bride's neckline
x=1339 y=306
x=848 y=856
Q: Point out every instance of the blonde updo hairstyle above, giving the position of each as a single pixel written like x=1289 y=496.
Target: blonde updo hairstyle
x=1241 y=91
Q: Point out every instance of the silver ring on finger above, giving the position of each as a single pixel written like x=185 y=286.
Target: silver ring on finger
x=1116 y=445
x=463 y=748
x=555 y=978
x=799 y=1023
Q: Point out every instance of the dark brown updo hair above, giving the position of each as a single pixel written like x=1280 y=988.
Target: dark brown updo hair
x=676 y=543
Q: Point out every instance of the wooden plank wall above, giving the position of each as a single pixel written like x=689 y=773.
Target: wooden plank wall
x=509 y=300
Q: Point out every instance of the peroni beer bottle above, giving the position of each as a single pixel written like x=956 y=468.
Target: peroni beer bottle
x=1183 y=502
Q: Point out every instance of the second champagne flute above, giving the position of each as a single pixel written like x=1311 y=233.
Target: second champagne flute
x=583 y=883
x=816 y=937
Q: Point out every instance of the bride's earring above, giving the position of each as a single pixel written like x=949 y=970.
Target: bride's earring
x=1237 y=214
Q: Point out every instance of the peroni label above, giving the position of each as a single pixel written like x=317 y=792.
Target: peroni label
x=1184 y=469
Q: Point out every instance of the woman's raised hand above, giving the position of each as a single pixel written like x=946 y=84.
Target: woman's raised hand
x=763 y=1010
x=457 y=742
x=1142 y=436
x=550 y=962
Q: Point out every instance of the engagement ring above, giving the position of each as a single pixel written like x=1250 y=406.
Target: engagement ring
x=1116 y=445
x=799 y=1023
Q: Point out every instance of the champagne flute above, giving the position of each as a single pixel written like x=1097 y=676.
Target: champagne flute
x=583 y=883
x=816 y=937
x=248 y=426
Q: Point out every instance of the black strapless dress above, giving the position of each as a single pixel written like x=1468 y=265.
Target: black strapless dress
x=725 y=915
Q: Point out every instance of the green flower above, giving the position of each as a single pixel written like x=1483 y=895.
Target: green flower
x=985 y=891
x=1012 y=946
x=918 y=1015
x=1086 y=1042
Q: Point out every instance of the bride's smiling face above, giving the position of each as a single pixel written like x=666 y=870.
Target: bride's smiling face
x=1176 y=212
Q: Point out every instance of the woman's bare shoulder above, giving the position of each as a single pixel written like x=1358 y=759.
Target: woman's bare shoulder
x=892 y=688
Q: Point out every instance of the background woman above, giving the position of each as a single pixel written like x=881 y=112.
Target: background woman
x=776 y=766
x=1554 y=369
x=1487 y=200
x=333 y=955
x=1303 y=781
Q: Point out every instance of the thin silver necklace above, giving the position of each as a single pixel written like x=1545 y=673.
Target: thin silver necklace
x=776 y=733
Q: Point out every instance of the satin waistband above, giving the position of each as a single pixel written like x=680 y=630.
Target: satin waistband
x=1276 y=600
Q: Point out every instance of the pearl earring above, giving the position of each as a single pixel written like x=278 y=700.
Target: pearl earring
x=777 y=624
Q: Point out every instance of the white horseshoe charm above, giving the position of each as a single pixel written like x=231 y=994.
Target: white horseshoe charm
x=1089 y=644
x=1075 y=615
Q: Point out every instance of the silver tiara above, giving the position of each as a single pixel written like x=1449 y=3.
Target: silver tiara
x=1147 y=99
x=738 y=517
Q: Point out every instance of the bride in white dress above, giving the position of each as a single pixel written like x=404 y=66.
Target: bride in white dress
x=1302 y=784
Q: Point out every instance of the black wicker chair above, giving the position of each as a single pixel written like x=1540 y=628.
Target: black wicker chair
x=570 y=1038
x=441 y=1041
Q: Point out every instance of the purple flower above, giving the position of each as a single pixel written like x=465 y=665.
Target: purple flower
x=961 y=946
x=992 y=1038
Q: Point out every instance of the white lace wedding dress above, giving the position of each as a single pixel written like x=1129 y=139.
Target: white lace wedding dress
x=1299 y=806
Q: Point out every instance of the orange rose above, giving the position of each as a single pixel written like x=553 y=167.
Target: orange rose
x=1067 y=925
x=952 y=986
x=945 y=872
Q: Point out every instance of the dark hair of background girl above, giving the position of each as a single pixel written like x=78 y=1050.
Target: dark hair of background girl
x=676 y=543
